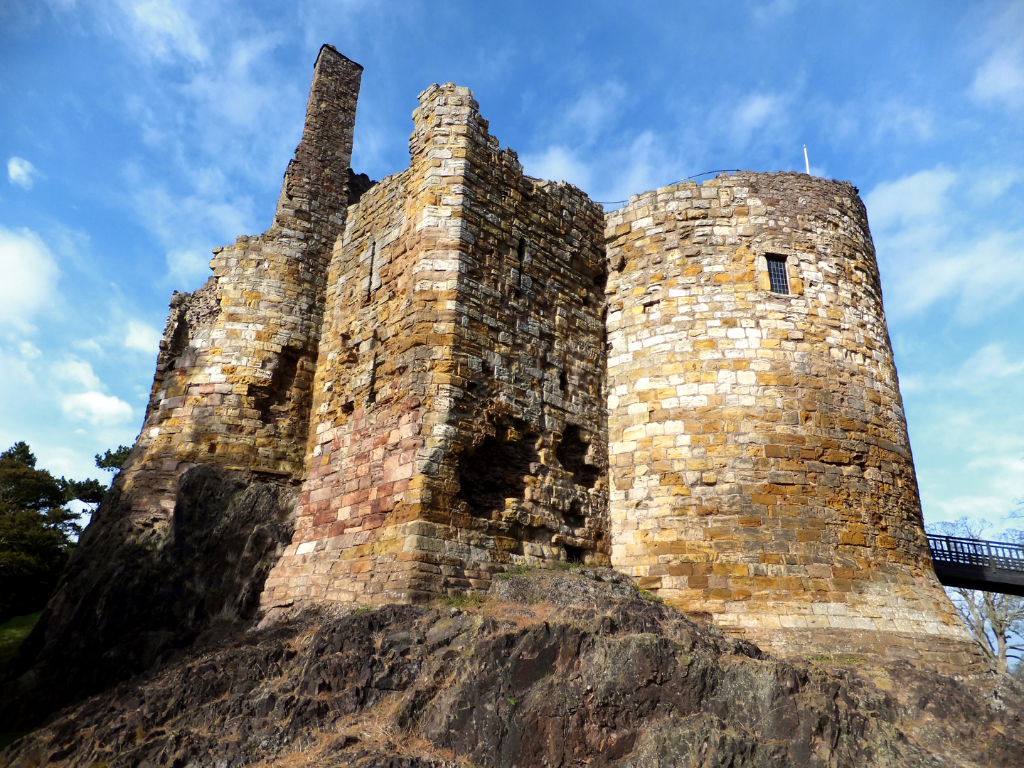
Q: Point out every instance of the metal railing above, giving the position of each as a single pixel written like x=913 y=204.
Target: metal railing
x=986 y=554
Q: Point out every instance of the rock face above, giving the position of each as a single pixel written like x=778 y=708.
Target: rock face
x=126 y=602
x=602 y=676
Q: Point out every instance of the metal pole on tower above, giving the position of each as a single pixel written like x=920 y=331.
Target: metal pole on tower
x=807 y=163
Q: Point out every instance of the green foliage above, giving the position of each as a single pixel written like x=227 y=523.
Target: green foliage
x=648 y=596
x=113 y=460
x=37 y=531
x=12 y=633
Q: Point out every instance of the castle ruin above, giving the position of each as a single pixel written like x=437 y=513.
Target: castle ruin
x=465 y=369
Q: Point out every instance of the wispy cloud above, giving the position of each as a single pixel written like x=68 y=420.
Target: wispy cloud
x=926 y=255
x=158 y=29
x=78 y=372
x=21 y=172
x=142 y=337
x=30 y=277
x=203 y=220
x=96 y=408
x=756 y=113
x=1000 y=78
x=773 y=10
x=558 y=163
x=593 y=112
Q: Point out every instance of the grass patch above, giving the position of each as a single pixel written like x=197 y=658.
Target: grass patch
x=568 y=565
x=648 y=596
x=12 y=633
x=515 y=570
x=474 y=600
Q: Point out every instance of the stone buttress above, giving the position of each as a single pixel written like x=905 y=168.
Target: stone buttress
x=760 y=465
x=458 y=422
x=235 y=370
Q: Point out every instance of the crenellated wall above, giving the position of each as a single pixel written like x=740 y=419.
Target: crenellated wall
x=761 y=468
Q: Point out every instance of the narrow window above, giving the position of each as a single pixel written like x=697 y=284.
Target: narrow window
x=522 y=257
x=777 y=274
x=369 y=281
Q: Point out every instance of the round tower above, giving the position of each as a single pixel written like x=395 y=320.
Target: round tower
x=761 y=469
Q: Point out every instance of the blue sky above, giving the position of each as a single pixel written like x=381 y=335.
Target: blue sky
x=137 y=135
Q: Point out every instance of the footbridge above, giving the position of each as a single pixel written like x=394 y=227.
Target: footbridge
x=991 y=566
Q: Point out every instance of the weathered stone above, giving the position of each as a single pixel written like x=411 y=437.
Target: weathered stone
x=461 y=369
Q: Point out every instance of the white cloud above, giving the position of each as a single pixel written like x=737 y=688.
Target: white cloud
x=987 y=365
x=765 y=12
x=160 y=29
x=30 y=277
x=96 y=408
x=758 y=113
x=905 y=121
x=195 y=216
x=924 y=229
x=1000 y=79
x=88 y=345
x=142 y=337
x=20 y=172
x=911 y=200
x=77 y=371
x=29 y=350
x=231 y=90
x=594 y=111
x=188 y=267
x=558 y=164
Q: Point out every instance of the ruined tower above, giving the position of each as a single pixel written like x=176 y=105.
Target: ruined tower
x=234 y=375
x=461 y=369
x=458 y=424
x=761 y=470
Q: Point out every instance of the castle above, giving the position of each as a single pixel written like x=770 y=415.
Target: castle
x=465 y=369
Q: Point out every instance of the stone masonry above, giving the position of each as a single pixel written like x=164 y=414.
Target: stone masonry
x=463 y=369
x=761 y=470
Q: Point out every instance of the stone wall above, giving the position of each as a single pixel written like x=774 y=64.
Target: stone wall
x=236 y=363
x=458 y=423
x=761 y=468
x=466 y=369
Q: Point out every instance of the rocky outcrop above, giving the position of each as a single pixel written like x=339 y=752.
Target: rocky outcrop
x=126 y=601
x=562 y=669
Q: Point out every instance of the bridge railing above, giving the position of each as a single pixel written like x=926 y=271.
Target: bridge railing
x=987 y=554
